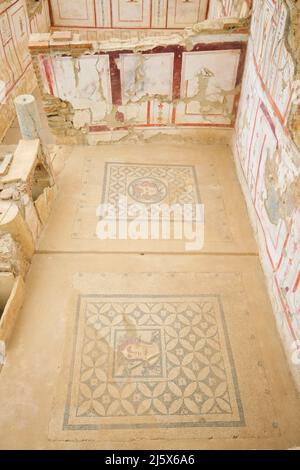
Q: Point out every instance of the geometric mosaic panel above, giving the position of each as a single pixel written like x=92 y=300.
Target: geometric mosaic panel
x=150 y=184
x=136 y=358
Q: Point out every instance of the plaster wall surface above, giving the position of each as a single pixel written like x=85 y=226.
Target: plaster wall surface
x=16 y=71
x=268 y=158
x=93 y=89
x=144 y=14
x=156 y=14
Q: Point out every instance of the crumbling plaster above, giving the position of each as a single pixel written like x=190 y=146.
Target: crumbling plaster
x=80 y=81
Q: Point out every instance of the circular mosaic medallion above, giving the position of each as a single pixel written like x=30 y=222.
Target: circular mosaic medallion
x=147 y=190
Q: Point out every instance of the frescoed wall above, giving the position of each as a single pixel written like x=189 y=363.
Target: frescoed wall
x=16 y=72
x=148 y=14
x=268 y=159
x=165 y=86
x=142 y=14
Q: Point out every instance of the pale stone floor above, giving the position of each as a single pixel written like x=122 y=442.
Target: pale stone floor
x=141 y=345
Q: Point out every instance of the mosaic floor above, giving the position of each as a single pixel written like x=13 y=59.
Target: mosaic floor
x=166 y=357
x=188 y=174
x=142 y=346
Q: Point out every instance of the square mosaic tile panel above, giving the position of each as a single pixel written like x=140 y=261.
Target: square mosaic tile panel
x=157 y=361
x=150 y=184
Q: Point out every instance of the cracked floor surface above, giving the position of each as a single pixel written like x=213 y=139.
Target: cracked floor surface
x=123 y=344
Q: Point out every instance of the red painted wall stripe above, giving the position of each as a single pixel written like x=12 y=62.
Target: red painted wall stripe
x=115 y=77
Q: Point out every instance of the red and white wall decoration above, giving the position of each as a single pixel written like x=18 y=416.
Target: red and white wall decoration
x=206 y=92
x=165 y=86
x=142 y=14
x=128 y=14
x=14 y=32
x=268 y=159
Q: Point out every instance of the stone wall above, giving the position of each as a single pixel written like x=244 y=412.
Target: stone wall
x=16 y=71
x=268 y=159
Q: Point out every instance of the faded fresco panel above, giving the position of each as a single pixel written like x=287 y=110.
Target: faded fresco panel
x=85 y=83
x=147 y=95
x=208 y=87
x=69 y=13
